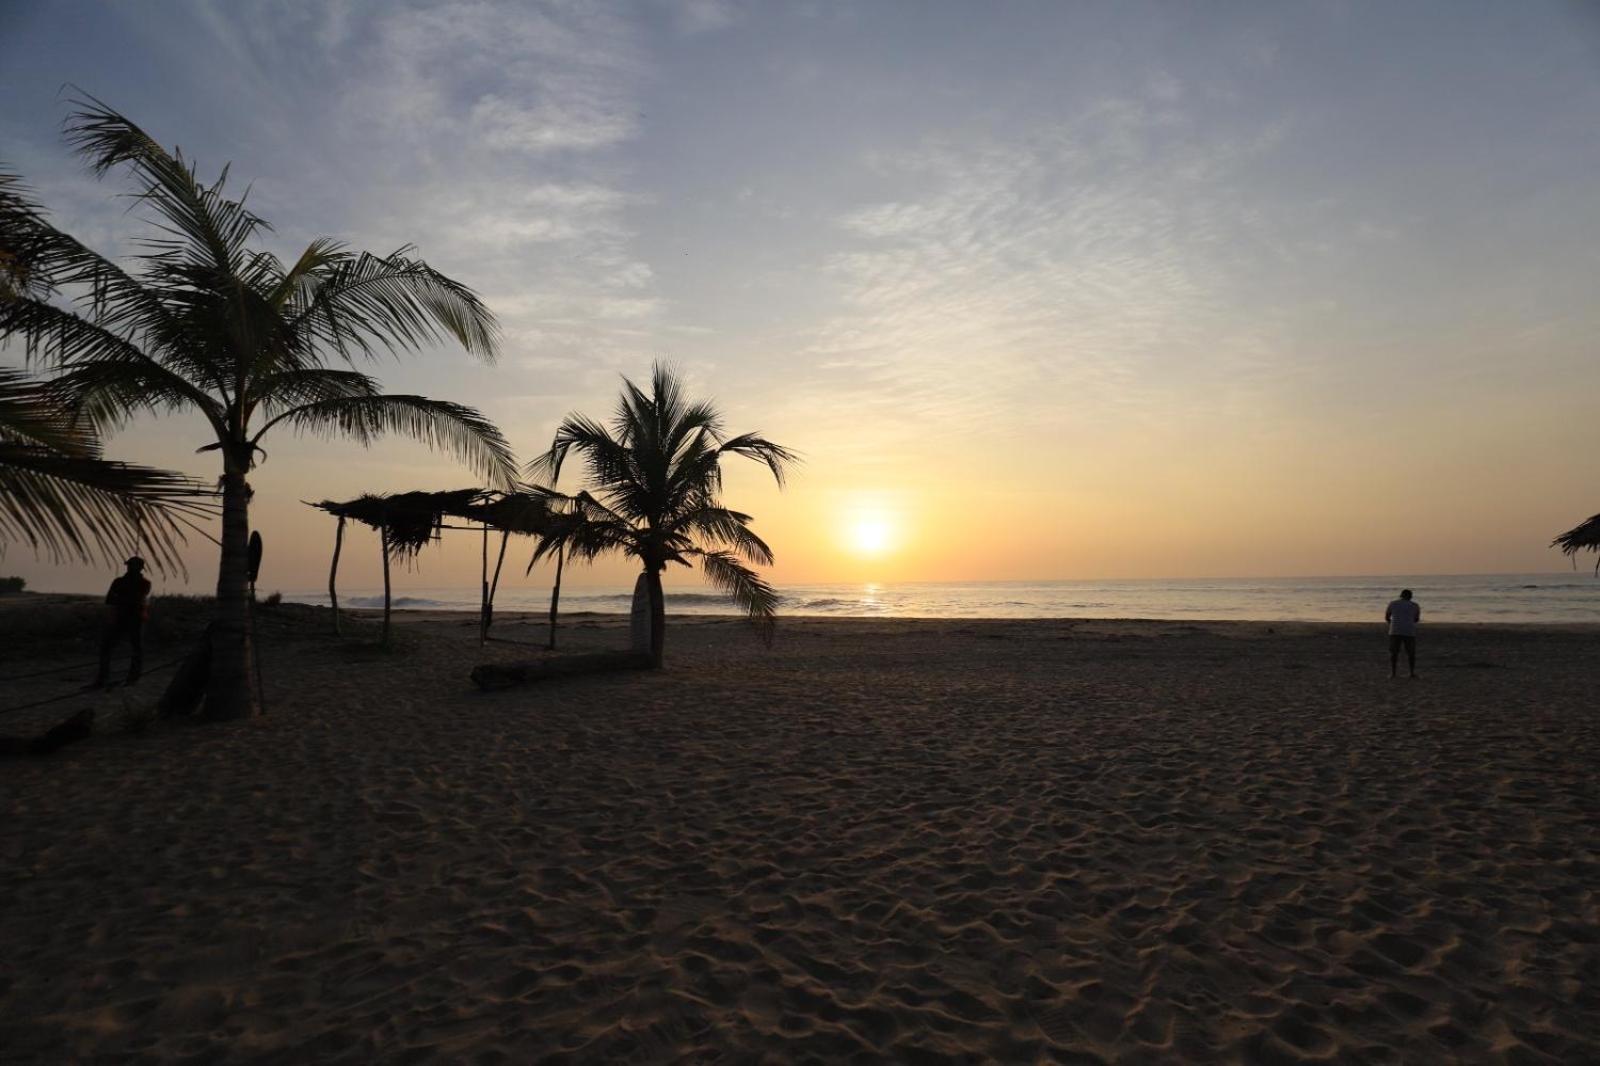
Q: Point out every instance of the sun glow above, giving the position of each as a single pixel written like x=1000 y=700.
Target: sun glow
x=871 y=535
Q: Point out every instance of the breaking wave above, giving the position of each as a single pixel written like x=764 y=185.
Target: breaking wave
x=398 y=601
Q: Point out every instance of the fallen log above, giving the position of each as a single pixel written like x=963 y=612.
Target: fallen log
x=58 y=736
x=494 y=676
x=187 y=688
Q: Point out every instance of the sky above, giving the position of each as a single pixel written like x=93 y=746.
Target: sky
x=1038 y=290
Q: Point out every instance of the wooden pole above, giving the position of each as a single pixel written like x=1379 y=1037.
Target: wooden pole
x=494 y=586
x=383 y=534
x=555 y=593
x=333 y=574
x=483 y=591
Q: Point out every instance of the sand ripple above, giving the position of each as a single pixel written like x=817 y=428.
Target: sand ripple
x=1014 y=842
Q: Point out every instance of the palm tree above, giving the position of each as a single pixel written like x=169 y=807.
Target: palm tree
x=59 y=495
x=654 y=477
x=207 y=323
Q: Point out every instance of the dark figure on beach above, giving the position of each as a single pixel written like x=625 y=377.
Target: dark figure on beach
x=1403 y=615
x=125 y=610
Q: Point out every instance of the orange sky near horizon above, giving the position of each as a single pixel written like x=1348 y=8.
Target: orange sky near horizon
x=1280 y=511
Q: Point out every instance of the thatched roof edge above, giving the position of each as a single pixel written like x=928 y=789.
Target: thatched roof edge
x=1586 y=535
x=409 y=519
x=1581 y=537
x=413 y=518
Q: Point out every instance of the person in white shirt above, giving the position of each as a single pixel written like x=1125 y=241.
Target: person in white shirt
x=1403 y=615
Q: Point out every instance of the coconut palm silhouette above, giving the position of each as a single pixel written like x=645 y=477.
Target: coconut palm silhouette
x=654 y=477
x=206 y=323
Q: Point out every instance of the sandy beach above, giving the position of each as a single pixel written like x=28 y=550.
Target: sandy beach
x=907 y=841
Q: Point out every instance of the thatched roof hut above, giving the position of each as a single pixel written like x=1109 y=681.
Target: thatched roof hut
x=1582 y=537
x=407 y=521
x=511 y=512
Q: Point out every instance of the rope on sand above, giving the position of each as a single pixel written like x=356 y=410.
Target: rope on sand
x=52 y=670
x=81 y=691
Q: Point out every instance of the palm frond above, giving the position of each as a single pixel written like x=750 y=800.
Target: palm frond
x=588 y=541
x=59 y=496
x=38 y=260
x=107 y=393
x=609 y=459
x=718 y=525
x=301 y=280
x=753 y=446
x=449 y=427
x=57 y=336
x=356 y=304
x=115 y=314
x=282 y=390
x=19 y=217
x=108 y=378
x=204 y=226
x=585 y=540
x=74 y=507
x=745 y=587
x=30 y=416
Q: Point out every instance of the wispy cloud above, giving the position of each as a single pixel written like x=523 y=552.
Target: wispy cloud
x=492 y=135
x=1092 y=261
x=705 y=16
x=549 y=125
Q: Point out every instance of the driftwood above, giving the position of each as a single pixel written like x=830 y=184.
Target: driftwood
x=58 y=736
x=493 y=676
x=188 y=685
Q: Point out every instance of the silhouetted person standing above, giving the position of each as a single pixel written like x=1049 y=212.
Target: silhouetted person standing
x=1403 y=615
x=125 y=603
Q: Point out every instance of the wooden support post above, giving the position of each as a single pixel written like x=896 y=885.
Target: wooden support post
x=383 y=534
x=555 y=594
x=483 y=591
x=494 y=585
x=333 y=574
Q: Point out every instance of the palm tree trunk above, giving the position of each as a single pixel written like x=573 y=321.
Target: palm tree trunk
x=383 y=535
x=333 y=574
x=639 y=615
x=494 y=583
x=658 y=617
x=231 y=688
x=555 y=594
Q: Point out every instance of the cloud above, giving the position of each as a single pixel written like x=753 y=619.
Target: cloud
x=549 y=125
x=1088 y=265
x=493 y=136
x=531 y=78
x=705 y=16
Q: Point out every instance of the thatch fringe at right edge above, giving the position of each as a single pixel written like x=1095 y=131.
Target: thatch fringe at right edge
x=1583 y=537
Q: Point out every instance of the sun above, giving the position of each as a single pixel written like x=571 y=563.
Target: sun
x=871 y=535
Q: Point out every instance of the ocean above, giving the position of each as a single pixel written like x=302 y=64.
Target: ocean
x=1557 y=597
